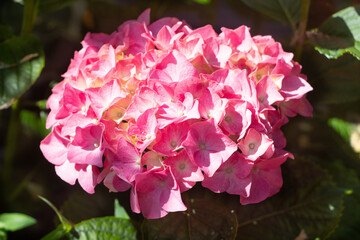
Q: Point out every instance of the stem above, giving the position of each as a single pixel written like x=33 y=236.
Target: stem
x=299 y=36
x=187 y=202
x=29 y=17
x=11 y=143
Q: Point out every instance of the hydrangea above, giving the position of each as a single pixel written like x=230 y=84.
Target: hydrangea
x=157 y=107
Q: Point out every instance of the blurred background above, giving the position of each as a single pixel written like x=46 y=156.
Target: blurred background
x=61 y=28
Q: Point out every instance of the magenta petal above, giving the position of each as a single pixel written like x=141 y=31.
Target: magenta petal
x=177 y=67
x=86 y=148
x=170 y=139
x=144 y=17
x=158 y=193
x=134 y=203
x=74 y=99
x=294 y=87
x=231 y=177
x=116 y=184
x=260 y=190
x=207 y=146
x=255 y=144
x=274 y=178
x=173 y=202
x=185 y=171
x=103 y=97
x=54 y=147
x=267 y=92
x=127 y=161
x=88 y=178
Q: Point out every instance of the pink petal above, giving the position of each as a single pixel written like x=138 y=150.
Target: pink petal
x=158 y=193
x=103 y=97
x=88 y=178
x=185 y=171
x=54 y=147
x=127 y=161
x=67 y=172
x=231 y=177
x=260 y=190
x=86 y=148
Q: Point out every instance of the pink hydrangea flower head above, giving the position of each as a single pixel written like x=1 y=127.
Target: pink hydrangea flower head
x=157 y=107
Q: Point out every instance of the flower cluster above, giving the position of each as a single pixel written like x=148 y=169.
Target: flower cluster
x=157 y=107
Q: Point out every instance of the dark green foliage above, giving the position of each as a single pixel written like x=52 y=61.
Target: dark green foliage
x=342 y=127
x=104 y=228
x=282 y=10
x=309 y=202
x=339 y=34
x=21 y=62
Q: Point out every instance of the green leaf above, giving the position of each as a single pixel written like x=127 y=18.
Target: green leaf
x=309 y=202
x=3 y=235
x=340 y=80
x=207 y=217
x=31 y=120
x=339 y=34
x=53 y=5
x=41 y=104
x=282 y=10
x=58 y=233
x=119 y=211
x=204 y=2
x=172 y=226
x=350 y=220
x=342 y=127
x=103 y=228
x=5 y=32
x=15 y=221
x=21 y=62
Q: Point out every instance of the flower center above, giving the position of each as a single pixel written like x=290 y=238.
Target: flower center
x=182 y=166
x=255 y=169
x=202 y=146
x=252 y=146
x=119 y=114
x=96 y=145
x=173 y=144
x=229 y=170
x=162 y=183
